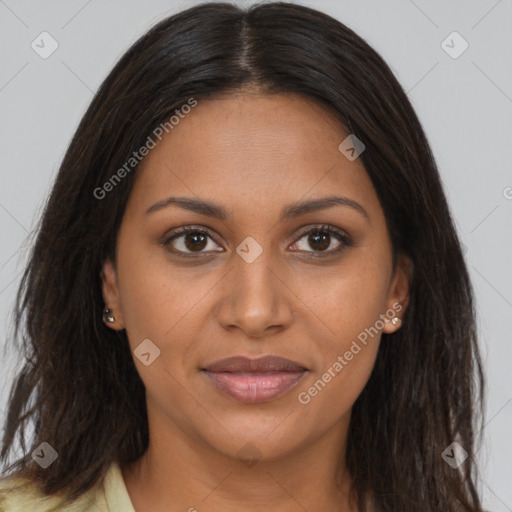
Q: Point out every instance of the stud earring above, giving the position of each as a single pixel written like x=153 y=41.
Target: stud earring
x=396 y=321
x=108 y=317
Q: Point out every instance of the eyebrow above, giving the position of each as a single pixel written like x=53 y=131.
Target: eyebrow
x=212 y=209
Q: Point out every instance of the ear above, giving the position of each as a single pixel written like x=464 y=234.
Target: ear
x=110 y=291
x=398 y=297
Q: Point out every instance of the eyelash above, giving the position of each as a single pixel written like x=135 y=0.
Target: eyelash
x=344 y=239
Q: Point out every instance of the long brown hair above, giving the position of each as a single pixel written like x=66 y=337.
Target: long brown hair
x=79 y=387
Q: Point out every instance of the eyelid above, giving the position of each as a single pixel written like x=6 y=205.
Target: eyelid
x=341 y=235
x=190 y=228
x=184 y=230
x=325 y=227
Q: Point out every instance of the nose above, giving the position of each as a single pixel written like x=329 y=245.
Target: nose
x=255 y=299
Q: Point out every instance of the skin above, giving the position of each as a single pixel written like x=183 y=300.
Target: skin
x=253 y=154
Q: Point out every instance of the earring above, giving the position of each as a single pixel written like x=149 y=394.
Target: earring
x=396 y=321
x=108 y=317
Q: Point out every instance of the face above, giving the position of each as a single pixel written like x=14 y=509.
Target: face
x=266 y=267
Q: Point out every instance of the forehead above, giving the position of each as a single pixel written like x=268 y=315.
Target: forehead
x=255 y=150
x=234 y=126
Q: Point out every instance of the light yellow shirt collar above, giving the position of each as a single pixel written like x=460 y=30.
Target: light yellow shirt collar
x=116 y=494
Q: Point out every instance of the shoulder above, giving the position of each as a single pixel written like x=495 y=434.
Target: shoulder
x=22 y=495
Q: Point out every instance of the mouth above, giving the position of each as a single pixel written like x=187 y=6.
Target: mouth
x=255 y=380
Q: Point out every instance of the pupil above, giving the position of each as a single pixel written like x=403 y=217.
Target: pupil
x=321 y=238
x=195 y=241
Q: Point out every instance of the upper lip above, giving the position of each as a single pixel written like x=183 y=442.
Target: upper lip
x=260 y=364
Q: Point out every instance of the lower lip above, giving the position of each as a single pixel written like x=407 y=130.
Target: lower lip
x=254 y=387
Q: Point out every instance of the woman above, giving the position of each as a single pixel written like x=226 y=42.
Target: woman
x=247 y=290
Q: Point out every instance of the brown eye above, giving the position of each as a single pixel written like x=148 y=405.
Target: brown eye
x=323 y=241
x=189 y=240
x=319 y=240
x=195 y=241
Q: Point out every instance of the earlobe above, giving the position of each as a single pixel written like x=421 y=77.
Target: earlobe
x=112 y=315
x=398 y=299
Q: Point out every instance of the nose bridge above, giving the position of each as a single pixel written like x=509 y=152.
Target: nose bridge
x=255 y=298
x=256 y=281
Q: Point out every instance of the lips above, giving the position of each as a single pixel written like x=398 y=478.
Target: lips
x=254 y=380
x=262 y=364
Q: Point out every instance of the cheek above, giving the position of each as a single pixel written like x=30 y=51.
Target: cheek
x=331 y=393
x=145 y=301
x=346 y=327
x=162 y=303
x=346 y=346
x=152 y=294
x=346 y=300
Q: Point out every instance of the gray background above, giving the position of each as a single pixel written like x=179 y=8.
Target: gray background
x=464 y=103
